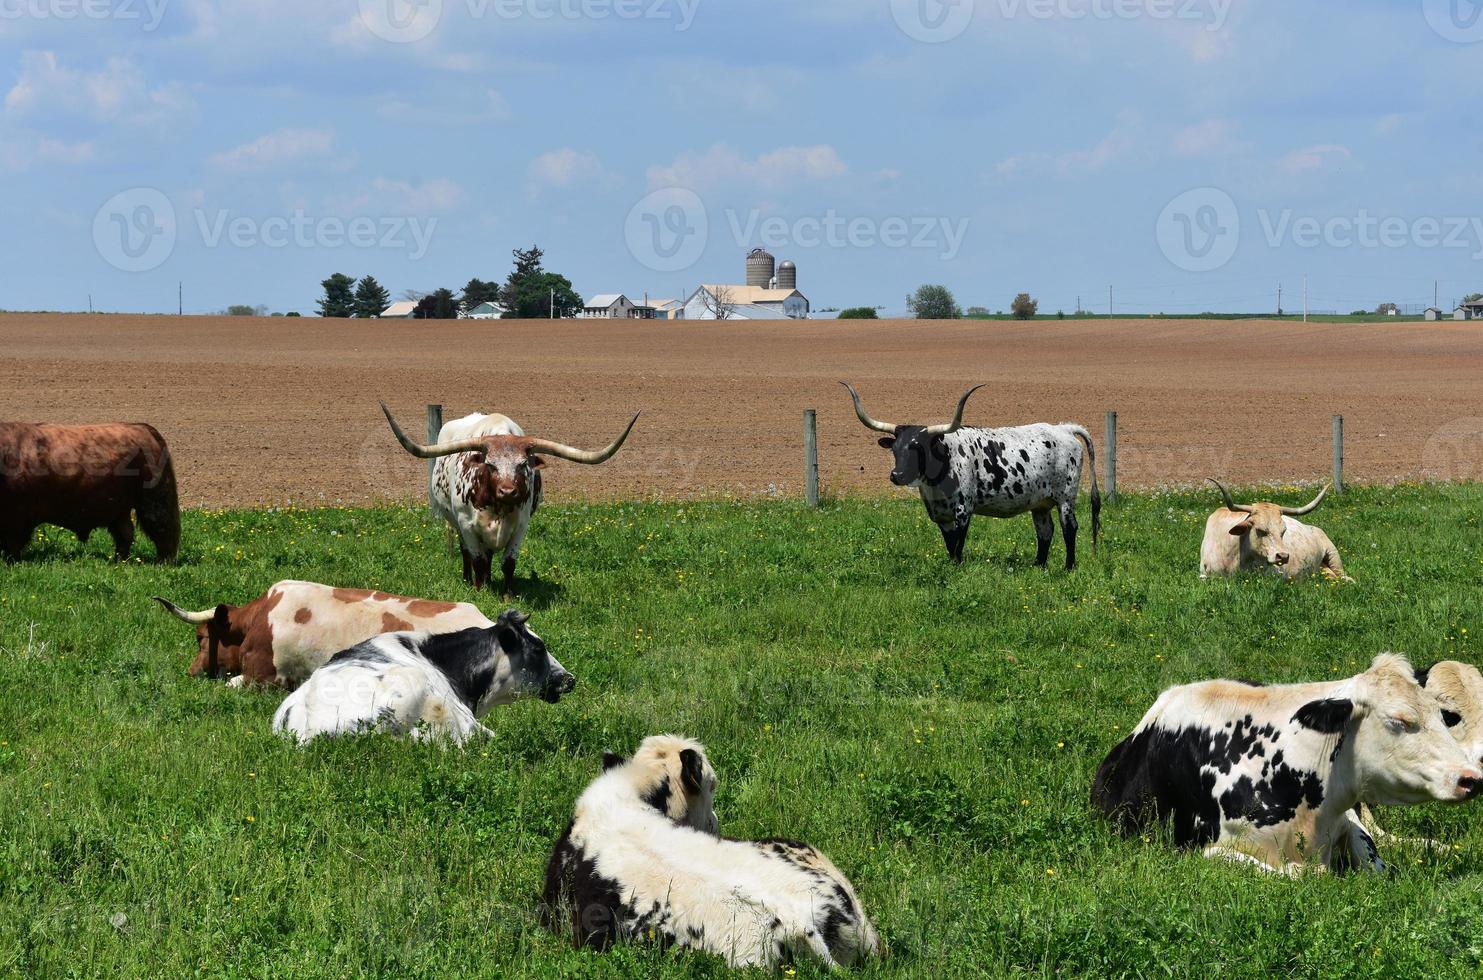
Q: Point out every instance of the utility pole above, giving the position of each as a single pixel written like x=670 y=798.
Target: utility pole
x=180 y=298
x=1305 y=299
x=90 y=302
x=1109 y=302
x=1279 y=299
x=553 y=302
x=1078 y=306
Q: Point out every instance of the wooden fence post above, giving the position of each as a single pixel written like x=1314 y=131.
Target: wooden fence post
x=811 y=457
x=1338 y=454
x=1109 y=454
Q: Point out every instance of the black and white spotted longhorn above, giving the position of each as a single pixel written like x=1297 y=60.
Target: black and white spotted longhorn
x=961 y=471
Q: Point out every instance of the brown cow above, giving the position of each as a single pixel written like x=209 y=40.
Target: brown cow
x=83 y=477
x=282 y=636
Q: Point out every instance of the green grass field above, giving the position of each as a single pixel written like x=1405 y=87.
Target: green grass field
x=933 y=729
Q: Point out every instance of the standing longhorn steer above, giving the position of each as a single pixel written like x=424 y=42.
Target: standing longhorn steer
x=487 y=484
x=1269 y=775
x=993 y=472
x=1265 y=537
x=288 y=632
x=83 y=477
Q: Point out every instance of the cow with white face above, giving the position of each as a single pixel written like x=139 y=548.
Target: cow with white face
x=1270 y=775
x=1266 y=537
x=427 y=685
x=487 y=483
x=642 y=859
x=1459 y=689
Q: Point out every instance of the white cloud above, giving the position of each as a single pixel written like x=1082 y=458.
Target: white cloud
x=22 y=151
x=1127 y=139
x=565 y=168
x=1211 y=138
x=489 y=107
x=400 y=196
x=117 y=93
x=1315 y=159
x=776 y=169
x=277 y=150
x=1390 y=124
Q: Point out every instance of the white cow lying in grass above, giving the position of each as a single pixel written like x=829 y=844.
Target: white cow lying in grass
x=424 y=684
x=641 y=859
x=1266 y=537
x=1271 y=775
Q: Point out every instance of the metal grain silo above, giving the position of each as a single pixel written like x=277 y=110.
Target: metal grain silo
x=759 y=268
x=787 y=275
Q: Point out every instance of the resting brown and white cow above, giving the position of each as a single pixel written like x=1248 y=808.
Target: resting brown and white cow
x=282 y=636
x=83 y=477
x=1265 y=537
x=1270 y=775
x=487 y=483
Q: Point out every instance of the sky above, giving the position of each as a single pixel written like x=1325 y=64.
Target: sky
x=1191 y=155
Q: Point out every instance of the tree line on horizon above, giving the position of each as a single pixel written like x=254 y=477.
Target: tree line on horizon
x=530 y=291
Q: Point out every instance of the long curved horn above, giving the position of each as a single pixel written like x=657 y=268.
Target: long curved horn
x=957 y=422
x=435 y=450
x=1300 y=511
x=562 y=451
x=185 y=616
x=1230 y=504
x=866 y=420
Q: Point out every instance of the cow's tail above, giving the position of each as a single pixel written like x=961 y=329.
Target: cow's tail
x=1081 y=433
x=159 y=502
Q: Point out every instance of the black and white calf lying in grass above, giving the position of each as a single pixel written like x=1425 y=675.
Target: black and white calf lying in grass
x=1271 y=776
x=641 y=859
x=424 y=684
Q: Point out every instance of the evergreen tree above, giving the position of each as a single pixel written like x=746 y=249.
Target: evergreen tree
x=370 y=298
x=339 y=298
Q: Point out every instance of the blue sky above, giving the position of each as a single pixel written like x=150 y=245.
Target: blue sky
x=1192 y=153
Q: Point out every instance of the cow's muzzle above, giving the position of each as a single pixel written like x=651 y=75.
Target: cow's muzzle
x=1281 y=559
x=898 y=479
x=1469 y=785
x=558 y=685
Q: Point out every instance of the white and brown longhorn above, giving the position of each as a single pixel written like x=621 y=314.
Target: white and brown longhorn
x=1264 y=537
x=487 y=484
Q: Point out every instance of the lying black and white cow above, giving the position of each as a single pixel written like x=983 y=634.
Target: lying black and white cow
x=1270 y=775
x=641 y=859
x=960 y=472
x=425 y=684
